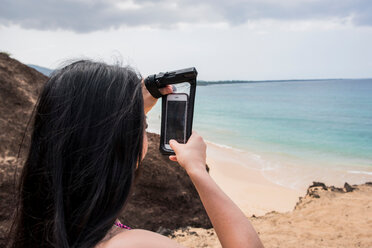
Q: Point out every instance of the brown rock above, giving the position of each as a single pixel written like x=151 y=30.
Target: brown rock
x=164 y=195
x=20 y=86
x=348 y=188
x=318 y=184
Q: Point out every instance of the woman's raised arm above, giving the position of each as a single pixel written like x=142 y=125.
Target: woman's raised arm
x=148 y=100
x=231 y=225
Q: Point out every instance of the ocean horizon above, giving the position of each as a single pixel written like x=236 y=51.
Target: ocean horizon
x=298 y=130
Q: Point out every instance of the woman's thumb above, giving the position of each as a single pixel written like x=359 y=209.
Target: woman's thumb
x=174 y=145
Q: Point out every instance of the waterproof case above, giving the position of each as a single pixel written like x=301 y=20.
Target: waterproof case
x=184 y=85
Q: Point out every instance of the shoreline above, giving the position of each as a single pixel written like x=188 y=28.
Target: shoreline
x=257 y=191
x=244 y=183
x=260 y=183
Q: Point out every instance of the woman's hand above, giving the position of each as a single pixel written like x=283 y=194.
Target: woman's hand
x=192 y=155
x=148 y=100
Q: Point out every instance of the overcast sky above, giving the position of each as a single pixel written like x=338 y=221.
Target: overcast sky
x=223 y=39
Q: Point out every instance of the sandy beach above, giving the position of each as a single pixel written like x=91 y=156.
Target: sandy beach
x=321 y=216
x=325 y=217
x=241 y=179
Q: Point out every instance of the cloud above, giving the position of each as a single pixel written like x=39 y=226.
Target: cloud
x=92 y=15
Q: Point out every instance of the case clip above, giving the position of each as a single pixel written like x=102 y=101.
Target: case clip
x=154 y=82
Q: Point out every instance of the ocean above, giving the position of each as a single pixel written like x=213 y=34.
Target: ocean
x=298 y=131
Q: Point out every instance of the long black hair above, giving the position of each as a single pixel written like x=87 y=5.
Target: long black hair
x=86 y=143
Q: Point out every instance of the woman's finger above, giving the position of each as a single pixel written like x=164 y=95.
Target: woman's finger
x=173 y=158
x=166 y=90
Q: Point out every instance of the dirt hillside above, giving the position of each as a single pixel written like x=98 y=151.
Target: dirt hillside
x=20 y=86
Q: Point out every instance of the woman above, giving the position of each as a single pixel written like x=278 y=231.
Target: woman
x=87 y=144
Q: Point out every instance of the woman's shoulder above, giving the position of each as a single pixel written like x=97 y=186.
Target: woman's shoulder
x=138 y=238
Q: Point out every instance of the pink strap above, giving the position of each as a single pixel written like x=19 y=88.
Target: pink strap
x=122 y=226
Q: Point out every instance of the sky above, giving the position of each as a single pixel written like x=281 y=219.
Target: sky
x=223 y=39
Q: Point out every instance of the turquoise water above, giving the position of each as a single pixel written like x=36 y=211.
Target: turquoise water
x=327 y=123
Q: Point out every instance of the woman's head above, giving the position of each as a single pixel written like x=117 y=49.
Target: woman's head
x=87 y=140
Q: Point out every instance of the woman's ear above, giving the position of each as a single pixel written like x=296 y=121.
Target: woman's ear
x=145 y=145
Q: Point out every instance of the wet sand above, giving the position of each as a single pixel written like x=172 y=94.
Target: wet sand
x=241 y=179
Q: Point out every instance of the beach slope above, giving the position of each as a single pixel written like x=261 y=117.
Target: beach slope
x=324 y=217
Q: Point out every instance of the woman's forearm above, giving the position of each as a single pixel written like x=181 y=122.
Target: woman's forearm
x=231 y=225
